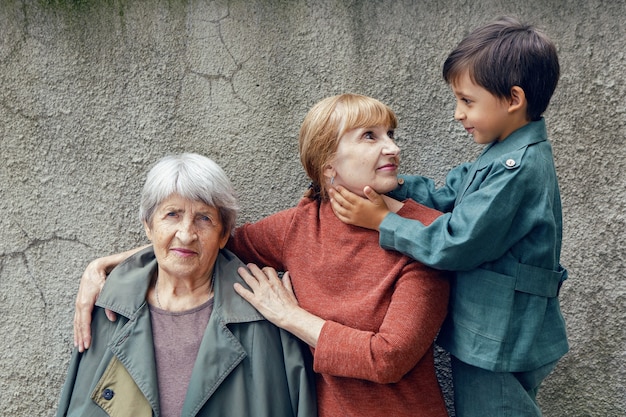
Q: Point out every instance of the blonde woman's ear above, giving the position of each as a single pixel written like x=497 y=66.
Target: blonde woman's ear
x=329 y=173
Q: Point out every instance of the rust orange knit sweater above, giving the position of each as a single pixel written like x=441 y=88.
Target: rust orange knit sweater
x=374 y=356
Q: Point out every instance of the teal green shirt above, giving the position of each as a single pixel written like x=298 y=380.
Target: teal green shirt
x=501 y=232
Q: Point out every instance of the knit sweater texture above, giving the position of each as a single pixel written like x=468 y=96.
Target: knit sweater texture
x=374 y=356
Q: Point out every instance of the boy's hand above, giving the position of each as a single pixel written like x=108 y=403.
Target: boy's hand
x=363 y=212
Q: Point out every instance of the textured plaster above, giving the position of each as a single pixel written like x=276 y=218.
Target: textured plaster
x=93 y=92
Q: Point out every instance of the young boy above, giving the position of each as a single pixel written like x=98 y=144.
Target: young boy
x=502 y=227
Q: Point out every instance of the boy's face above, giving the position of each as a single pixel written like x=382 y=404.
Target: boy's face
x=483 y=115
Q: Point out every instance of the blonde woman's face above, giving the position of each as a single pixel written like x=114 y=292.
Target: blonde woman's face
x=366 y=156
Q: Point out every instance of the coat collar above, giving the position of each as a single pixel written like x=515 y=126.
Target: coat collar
x=220 y=352
x=125 y=289
x=533 y=132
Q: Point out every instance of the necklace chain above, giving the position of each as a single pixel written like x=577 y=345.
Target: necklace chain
x=156 y=289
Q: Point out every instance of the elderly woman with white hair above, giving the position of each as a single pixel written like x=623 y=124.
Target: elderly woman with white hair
x=184 y=343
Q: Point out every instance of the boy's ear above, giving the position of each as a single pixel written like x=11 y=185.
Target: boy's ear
x=517 y=100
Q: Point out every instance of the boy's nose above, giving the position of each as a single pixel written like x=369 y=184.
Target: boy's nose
x=458 y=114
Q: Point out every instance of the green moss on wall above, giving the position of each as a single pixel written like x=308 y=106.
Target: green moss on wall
x=83 y=6
x=67 y=3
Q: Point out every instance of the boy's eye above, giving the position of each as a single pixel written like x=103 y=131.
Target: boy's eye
x=390 y=133
x=466 y=100
x=368 y=135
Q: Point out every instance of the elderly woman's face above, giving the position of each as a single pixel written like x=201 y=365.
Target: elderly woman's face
x=187 y=236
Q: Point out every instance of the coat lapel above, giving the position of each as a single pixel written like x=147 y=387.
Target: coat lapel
x=125 y=293
x=220 y=351
x=478 y=165
x=529 y=134
x=214 y=363
x=133 y=347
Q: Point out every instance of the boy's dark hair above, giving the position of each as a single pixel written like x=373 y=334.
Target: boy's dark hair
x=507 y=53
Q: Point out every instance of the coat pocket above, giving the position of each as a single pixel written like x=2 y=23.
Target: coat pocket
x=117 y=393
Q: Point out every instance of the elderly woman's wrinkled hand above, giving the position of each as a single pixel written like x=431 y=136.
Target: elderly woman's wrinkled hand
x=91 y=284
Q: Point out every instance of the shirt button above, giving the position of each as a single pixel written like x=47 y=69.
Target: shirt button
x=400 y=181
x=510 y=162
x=108 y=394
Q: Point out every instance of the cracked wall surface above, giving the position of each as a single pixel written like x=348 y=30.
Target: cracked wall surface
x=93 y=92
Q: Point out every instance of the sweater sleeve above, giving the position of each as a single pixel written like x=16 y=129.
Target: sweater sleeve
x=262 y=242
x=416 y=311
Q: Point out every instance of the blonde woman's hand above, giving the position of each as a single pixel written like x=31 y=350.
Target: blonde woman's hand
x=91 y=284
x=276 y=301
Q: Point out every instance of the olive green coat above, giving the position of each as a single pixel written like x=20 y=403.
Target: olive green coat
x=245 y=366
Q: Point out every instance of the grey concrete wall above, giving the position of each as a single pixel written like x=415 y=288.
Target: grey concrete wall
x=94 y=91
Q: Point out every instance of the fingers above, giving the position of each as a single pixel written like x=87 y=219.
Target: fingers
x=339 y=204
x=250 y=280
x=243 y=292
x=255 y=278
x=91 y=284
x=82 y=326
x=372 y=195
x=110 y=315
x=287 y=282
x=260 y=280
x=258 y=275
x=341 y=196
x=81 y=339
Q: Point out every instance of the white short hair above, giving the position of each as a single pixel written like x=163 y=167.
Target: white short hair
x=194 y=177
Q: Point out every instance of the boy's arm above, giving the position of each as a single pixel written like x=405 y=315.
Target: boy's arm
x=486 y=223
x=424 y=191
x=369 y=212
